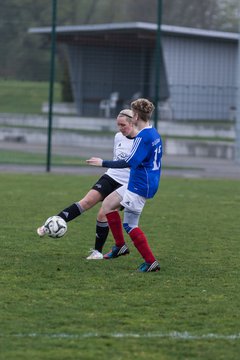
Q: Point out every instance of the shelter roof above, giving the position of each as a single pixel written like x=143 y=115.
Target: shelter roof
x=133 y=28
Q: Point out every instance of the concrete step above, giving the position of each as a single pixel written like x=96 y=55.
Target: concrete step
x=196 y=148
x=199 y=148
x=173 y=146
x=32 y=136
x=165 y=128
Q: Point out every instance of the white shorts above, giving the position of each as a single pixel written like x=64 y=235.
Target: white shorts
x=130 y=200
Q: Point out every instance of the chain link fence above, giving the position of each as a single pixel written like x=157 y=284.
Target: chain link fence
x=100 y=69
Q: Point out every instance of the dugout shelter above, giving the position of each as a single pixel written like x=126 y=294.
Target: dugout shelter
x=197 y=68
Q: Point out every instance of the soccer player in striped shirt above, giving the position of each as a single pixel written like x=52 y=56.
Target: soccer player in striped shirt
x=145 y=170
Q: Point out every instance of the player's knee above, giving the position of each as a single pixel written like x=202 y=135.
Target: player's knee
x=86 y=203
x=105 y=207
x=101 y=216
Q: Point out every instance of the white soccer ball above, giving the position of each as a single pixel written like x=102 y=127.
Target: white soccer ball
x=55 y=227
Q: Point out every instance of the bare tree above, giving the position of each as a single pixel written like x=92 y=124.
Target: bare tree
x=229 y=15
x=90 y=11
x=191 y=13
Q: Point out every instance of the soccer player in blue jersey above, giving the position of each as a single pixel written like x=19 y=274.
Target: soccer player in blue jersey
x=145 y=170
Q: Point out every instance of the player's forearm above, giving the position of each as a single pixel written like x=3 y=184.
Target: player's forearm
x=117 y=164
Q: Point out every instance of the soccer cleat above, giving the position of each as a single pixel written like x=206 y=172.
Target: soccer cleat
x=95 y=255
x=41 y=231
x=146 y=267
x=116 y=252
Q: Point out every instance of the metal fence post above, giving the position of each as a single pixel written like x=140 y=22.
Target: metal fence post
x=51 y=83
x=157 y=61
x=237 y=127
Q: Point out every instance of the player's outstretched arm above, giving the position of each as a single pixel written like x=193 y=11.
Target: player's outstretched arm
x=117 y=164
x=94 y=161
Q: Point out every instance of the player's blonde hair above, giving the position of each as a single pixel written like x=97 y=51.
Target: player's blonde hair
x=144 y=108
x=126 y=113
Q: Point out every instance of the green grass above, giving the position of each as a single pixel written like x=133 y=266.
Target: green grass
x=57 y=305
x=27 y=158
x=25 y=97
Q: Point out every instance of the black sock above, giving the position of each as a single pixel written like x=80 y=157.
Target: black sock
x=102 y=231
x=71 y=212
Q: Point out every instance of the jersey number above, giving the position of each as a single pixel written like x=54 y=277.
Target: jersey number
x=157 y=161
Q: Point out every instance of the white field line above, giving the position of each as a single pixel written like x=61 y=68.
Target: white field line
x=175 y=335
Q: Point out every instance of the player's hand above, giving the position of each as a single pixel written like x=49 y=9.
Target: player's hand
x=94 y=161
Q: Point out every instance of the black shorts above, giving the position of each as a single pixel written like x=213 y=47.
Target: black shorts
x=106 y=185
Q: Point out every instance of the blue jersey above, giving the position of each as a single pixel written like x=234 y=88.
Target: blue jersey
x=145 y=163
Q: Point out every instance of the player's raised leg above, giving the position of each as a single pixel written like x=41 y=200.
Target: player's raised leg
x=76 y=209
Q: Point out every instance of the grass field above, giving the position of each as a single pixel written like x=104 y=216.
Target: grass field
x=25 y=97
x=26 y=158
x=57 y=305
